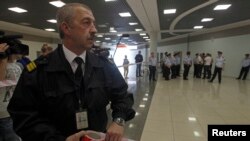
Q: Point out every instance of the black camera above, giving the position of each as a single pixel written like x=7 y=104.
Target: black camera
x=15 y=45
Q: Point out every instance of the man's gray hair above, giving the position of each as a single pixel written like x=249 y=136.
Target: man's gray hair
x=66 y=13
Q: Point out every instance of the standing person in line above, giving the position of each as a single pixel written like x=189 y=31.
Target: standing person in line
x=245 y=67
x=168 y=65
x=68 y=90
x=152 y=62
x=125 y=66
x=187 y=64
x=219 y=65
x=178 y=63
x=138 y=60
x=207 y=66
x=163 y=64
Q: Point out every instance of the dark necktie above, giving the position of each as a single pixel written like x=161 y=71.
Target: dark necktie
x=79 y=71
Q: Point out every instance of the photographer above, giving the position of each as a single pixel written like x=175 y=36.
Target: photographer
x=8 y=70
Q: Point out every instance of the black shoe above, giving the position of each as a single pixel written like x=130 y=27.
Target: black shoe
x=238 y=78
x=210 y=81
x=185 y=79
x=244 y=79
x=154 y=79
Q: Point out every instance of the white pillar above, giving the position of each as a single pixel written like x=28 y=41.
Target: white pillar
x=153 y=43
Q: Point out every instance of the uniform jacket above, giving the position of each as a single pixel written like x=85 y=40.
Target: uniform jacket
x=44 y=103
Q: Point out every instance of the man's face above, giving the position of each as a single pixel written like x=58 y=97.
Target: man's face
x=82 y=29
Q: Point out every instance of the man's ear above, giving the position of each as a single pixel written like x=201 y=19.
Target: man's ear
x=65 y=28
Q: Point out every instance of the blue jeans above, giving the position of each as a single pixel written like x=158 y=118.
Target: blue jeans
x=6 y=130
x=138 y=69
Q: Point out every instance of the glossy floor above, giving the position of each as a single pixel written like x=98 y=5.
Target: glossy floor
x=180 y=110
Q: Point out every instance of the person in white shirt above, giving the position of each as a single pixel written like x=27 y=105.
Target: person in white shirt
x=12 y=71
x=178 y=63
x=187 y=64
x=168 y=65
x=152 y=66
x=219 y=65
x=245 y=67
x=207 y=66
x=125 y=66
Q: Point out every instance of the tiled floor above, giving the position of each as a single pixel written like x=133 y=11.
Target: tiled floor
x=181 y=110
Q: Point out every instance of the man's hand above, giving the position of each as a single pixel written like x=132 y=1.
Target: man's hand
x=115 y=132
x=76 y=136
x=3 y=47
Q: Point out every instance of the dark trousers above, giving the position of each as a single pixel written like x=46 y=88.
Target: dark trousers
x=178 y=69
x=244 y=71
x=138 y=69
x=167 y=73
x=186 y=71
x=173 y=70
x=207 y=72
x=152 y=70
x=195 y=70
x=217 y=70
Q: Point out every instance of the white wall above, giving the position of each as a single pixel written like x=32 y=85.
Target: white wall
x=233 y=48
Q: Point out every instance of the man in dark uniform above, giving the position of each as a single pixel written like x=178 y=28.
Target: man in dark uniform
x=138 y=61
x=66 y=92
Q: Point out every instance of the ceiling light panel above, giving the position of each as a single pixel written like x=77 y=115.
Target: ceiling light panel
x=198 y=27
x=133 y=23
x=169 y=11
x=52 y=21
x=109 y=0
x=222 y=7
x=17 y=9
x=50 y=29
x=207 y=19
x=125 y=14
x=57 y=3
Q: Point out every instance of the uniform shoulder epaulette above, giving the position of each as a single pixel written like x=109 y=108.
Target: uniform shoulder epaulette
x=31 y=66
x=34 y=64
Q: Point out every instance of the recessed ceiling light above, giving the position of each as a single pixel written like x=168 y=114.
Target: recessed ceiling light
x=50 y=29
x=222 y=7
x=125 y=14
x=145 y=37
x=109 y=0
x=207 y=19
x=99 y=35
x=57 y=3
x=52 y=21
x=98 y=41
x=119 y=35
x=148 y=39
x=113 y=31
x=198 y=27
x=17 y=9
x=169 y=11
x=107 y=38
x=143 y=34
x=133 y=23
x=138 y=29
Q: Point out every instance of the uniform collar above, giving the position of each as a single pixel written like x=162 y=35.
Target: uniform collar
x=70 y=56
x=59 y=62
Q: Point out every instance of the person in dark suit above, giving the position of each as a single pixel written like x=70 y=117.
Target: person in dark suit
x=66 y=92
x=138 y=61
